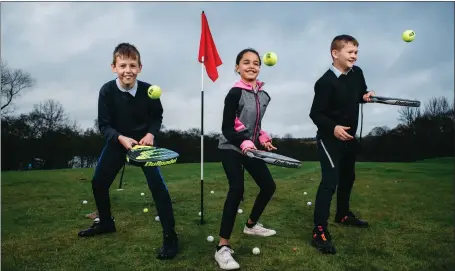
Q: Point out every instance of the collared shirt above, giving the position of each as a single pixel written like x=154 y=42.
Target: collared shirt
x=337 y=72
x=132 y=91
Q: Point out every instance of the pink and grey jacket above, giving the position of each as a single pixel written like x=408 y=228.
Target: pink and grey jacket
x=244 y=108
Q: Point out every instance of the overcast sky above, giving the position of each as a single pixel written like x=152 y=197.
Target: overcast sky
x=68 y=48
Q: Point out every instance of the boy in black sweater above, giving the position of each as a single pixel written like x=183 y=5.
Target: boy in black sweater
x=335 y=111
x=127 y=116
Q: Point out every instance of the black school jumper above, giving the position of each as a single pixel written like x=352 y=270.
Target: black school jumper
x=336 y=102
x=120 y=113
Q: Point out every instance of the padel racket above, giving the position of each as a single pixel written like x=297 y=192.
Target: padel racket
x=151 y=156
x=395 y=101
x=274 y=158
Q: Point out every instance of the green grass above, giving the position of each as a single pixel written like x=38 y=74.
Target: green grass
x=410 y=208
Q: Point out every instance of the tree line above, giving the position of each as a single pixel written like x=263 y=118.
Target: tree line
x=46 y=137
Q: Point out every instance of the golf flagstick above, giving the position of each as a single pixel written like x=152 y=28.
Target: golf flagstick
x=202 y=140
x=209 y=58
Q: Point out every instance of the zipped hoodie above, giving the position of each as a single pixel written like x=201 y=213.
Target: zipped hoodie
x=244 y=108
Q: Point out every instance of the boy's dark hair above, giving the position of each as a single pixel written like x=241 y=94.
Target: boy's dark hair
x=244 y=51
x=126 y=50
x=340 y=41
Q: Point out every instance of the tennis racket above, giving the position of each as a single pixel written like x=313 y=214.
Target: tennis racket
x=274 y=158
x=151 y=156
x=395 y=101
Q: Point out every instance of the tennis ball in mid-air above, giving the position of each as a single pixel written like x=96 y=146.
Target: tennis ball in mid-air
x=154 y=92
x=145 y=210
x=408 y=35
x=270 y=58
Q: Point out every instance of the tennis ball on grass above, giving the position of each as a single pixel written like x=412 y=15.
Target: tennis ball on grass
x=408 y=35
x=270 y=58
x=154 y=92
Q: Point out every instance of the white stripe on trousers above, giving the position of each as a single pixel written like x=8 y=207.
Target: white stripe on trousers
x=327 y=153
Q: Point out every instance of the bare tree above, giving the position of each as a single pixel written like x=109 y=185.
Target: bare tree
x=48 y=116
x=407 y=115
x=96 y=126
x=438 y=107
x=12 y=82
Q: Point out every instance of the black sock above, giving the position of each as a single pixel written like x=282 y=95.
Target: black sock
x=219 y=247
x=250 y=225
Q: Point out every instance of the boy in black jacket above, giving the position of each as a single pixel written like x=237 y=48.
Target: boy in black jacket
x=335 y=111
x=127 y=116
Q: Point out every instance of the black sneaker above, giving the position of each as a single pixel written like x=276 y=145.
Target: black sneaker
x=97 y=228
x=351 y=220
x=170 y=247
x=322 y=240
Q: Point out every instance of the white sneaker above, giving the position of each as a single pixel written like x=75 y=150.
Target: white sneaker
x=259 y=230
x=224 y=259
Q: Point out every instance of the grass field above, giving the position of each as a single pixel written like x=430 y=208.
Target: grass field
x=410 y=208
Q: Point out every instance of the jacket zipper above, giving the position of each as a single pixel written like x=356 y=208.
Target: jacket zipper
x=257 y=112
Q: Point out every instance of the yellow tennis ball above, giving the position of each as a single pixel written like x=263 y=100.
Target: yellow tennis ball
x=270 y=58
x=408 y=35
x=146 y=210
x=154 y=92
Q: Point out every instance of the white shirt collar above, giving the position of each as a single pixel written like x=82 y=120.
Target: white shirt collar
x=337 y=72
x=132 y=91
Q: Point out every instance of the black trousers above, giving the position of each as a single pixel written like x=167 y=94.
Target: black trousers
x=110 y=162
x=337 y=161
x=233 y=164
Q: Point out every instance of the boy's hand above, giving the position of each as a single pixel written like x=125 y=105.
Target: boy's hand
x=367 y=96
x=147 y=140
x=268 y=146
x=127 y=142
x=341 y=134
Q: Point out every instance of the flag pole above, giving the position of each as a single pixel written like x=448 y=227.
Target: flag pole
x=202 y=140
x=210 y=60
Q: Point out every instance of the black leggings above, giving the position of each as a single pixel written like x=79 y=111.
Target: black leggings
x=111 y=160
x=233 y=164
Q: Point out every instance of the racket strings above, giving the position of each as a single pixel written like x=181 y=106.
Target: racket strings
x=152 y=153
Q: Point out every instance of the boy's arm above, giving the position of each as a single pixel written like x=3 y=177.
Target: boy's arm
x=322 y=92
x=156 y=116
x=105 y=118
x=229 y=114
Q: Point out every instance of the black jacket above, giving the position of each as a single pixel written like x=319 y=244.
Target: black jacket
x=336 y=101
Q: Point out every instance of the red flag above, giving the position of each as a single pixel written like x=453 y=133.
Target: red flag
x=207 y=49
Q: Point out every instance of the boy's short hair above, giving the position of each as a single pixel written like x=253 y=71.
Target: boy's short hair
x=126 y=50
x=341 y=40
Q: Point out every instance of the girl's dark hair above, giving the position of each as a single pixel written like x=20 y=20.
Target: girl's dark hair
x=244 y=51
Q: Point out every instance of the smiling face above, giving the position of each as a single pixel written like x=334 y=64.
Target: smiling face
x=127 y=70
x=249 y=66
x=344 y=49
x=126 y=63
x=346 y=57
